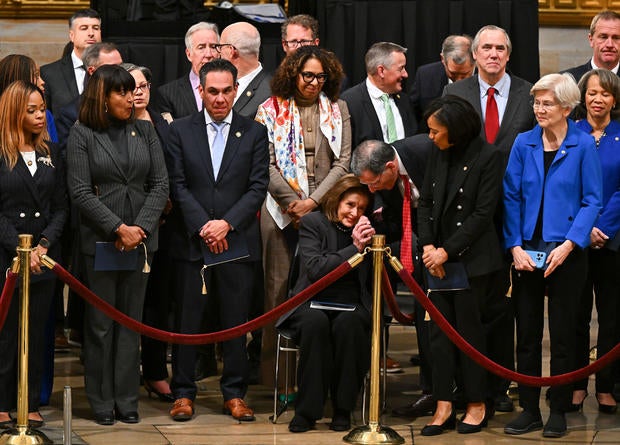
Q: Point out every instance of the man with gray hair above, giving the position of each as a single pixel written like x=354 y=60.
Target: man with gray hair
x=378 y=109
x=457 y=63
x=180 y=97
x=240 y=44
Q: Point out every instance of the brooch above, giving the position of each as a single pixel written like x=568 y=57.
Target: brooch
x=46 y=160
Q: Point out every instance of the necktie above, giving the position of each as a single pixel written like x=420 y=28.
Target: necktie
x=389 y=119
x=491 y=122
x=406 y=255
x=217 y=150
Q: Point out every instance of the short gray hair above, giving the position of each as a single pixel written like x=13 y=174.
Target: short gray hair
x=381 y=54
x=371 y=155
x=146 y=72
x=245 y=39
x=90 y=56
x=455 y=49
x=563 y=87
x=197 y=27
x=476 y=41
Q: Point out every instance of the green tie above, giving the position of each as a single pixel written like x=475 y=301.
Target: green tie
x=389 y=118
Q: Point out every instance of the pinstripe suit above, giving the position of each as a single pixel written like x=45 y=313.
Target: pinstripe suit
x=107 y=195
x=37 y=205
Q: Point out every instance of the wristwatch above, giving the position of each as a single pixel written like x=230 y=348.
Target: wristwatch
x=45 y=243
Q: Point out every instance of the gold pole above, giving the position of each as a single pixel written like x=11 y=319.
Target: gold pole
x=22 y=434
x=374 y=432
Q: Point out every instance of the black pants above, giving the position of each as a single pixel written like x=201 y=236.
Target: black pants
x=603 y=282
x=334 y=357
x=564 y=287
x=462 y=310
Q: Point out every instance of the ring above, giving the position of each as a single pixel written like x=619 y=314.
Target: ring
x=122 y=248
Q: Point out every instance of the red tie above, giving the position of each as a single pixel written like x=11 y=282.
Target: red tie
x=491 y=122
x=406 y=257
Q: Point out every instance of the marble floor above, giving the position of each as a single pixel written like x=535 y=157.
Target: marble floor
x=209 y=426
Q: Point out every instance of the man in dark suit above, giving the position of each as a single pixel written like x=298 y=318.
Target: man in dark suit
x=456 y=63
x=604 y=38
x=378 y=110
x=514 y=114
x=219 y=170
x=64 y=78
x=180 y=97
x=384 y=168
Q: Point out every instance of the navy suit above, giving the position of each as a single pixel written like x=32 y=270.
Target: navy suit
x=176 y=98
x=578 y=71
x=428 y=85
x=234 y=196
x=60 y=84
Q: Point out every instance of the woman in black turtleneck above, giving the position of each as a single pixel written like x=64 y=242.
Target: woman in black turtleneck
x=455 y=222
x=118 y=182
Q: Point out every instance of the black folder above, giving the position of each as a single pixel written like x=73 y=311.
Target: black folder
x=237 y=250
x=108 y=258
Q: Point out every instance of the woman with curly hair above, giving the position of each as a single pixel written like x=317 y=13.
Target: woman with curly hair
x=309 y=134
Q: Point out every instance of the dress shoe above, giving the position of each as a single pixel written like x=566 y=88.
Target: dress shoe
x=163 y=396
x=504 y=404
x=391 y=366
x=435 y=430
x=555 y=426
x=128 y=417
x=470 y=428
x=341 y=420
x=182 y=409
x=604 y=408
x=300 y=424
x=104 y=418
x=36 y=421
x=239 y=410
x=524 y=423
x=424 y=406
x=74 y=338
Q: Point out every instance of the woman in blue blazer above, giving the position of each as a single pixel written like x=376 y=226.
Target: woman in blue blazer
x=552 y=196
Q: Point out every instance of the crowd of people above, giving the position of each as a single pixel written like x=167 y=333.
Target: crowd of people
x=494 y=193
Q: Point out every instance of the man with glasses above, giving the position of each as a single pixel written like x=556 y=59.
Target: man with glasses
x=180 y=97
x=299 y=30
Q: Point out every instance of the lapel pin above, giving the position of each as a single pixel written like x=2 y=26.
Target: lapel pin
x=238 y=134
x=563 y=152
x=133 y=133
x=249 y=93
x=617 y=138
x=465 y=168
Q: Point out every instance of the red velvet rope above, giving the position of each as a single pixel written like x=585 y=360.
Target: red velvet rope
x=475 y=355
x=388 y=295
x=195 y=339
x=7 y=295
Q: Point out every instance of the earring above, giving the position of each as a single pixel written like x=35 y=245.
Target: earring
x=105 y=106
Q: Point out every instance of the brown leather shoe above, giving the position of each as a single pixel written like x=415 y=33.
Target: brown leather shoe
x=239 y=410
x=182 y=409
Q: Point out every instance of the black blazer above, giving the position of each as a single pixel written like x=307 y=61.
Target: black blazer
x=319 y=255
x=176 y=98
x=106 y=194
x=518 y=117
x=428 y=85
x=60 y=84
x=257 y=92
x=235 y=195
x=364 y=121
x=457 y=213
x=578 y=71
x=37 y=204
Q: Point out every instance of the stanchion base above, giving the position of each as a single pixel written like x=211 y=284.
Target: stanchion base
x=378 y=434
x=24 y=436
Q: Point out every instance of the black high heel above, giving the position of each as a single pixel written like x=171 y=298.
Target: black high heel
x=435 y=430
x=469 y=428
x=575 y=407
x=606 y=409
x=164 y=397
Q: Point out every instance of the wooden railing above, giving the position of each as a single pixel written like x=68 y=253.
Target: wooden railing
x=572 y=12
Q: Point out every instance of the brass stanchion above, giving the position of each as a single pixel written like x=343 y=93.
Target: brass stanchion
x=374 y=432
x=22 y=434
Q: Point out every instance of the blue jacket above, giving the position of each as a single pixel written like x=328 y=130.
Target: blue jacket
x=609 y=154
x=573 y=189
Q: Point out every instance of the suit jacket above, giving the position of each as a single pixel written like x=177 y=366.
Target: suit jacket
x=578 y=71
x=572 y=189
x=60 y=83
x=32 y=204
x=428 y=85
x=319 y=255
x=518 y=117
x=457 y=213
x=235 y=195
x=107 y=195
x=176 y=98
x=364 y=121
x=64 y=119
x=255 y=94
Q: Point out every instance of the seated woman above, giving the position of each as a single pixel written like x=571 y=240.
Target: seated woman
x=334 y=344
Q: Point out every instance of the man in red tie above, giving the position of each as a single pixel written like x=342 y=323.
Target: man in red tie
x=503 y=102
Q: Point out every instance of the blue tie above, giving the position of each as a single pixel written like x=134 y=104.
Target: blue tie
x=217 y=150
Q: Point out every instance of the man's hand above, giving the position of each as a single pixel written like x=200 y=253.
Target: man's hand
x=214 y=235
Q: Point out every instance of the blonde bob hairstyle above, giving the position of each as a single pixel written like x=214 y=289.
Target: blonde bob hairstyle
x=346 y=185
x=13 y=109
x=563 y=87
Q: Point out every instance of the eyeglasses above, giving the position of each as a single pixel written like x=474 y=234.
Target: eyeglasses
x=218 y=46
x=298 y=43
x=309 y=77
x=376 y=182
x=543 y=106
x=144 y=87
